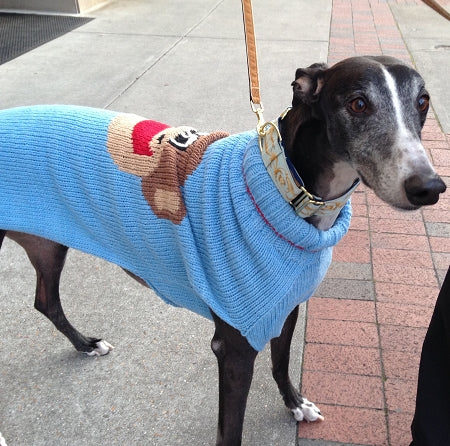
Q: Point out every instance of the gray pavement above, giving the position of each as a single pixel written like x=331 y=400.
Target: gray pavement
x=180 y=62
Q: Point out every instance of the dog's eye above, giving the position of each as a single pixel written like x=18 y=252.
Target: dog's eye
x=358 y=105
x=423 y=103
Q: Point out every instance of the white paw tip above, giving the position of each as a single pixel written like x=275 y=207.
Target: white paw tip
x=298 y=414
x=103 y=348
x=2 y=440
x=307 y=411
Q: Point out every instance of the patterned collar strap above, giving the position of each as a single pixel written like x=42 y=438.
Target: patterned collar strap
x=287 y=179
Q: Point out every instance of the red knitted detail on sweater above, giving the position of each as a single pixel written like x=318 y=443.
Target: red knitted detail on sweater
x=266 y=221
x=143 y=132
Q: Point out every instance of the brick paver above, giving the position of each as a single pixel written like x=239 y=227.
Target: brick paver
x=367 y=322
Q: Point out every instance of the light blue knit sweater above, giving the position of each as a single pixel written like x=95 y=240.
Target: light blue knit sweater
x=239 y=250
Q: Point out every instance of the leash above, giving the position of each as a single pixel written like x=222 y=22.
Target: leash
x=252 y=62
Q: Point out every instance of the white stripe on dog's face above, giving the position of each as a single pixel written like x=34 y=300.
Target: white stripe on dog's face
x=408 y=154
x=392 y=87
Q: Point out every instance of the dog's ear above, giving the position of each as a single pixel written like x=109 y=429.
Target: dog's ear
x=308 y=84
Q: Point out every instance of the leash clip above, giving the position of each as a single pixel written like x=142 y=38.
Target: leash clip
x=258 y=109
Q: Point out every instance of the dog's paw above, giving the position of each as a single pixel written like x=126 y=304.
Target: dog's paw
x=102 y=348
x=307 y=411
x=2 y=440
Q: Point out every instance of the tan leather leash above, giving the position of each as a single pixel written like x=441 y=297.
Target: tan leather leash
x=252 y=62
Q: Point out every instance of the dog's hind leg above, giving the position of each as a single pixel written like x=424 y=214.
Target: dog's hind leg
x=236 y=359
x=48 y=259
x=280 y=351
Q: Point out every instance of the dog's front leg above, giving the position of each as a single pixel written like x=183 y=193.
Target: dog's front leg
x=48 y=259
x=236 y=359
x=280 y=351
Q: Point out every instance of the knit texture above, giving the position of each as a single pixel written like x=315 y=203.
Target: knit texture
x=237 y=248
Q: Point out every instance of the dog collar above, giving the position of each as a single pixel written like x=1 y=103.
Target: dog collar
x=288 y=181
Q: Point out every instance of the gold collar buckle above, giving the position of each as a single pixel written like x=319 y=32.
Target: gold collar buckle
x=305 y=200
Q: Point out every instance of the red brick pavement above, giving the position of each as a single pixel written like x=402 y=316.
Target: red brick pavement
x=363 y=345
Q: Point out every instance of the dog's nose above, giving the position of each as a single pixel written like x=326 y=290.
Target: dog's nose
x=422 y=191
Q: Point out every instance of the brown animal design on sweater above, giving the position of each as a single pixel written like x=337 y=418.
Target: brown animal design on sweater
x=163 y=156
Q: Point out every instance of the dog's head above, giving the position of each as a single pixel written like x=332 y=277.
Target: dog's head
x=374 y=109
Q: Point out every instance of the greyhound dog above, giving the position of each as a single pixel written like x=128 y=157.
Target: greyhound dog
x=360 y=119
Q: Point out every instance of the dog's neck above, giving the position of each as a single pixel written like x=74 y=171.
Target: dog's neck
x=325 y=173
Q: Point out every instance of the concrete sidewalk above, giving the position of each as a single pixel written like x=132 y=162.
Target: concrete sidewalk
x=180 y=62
